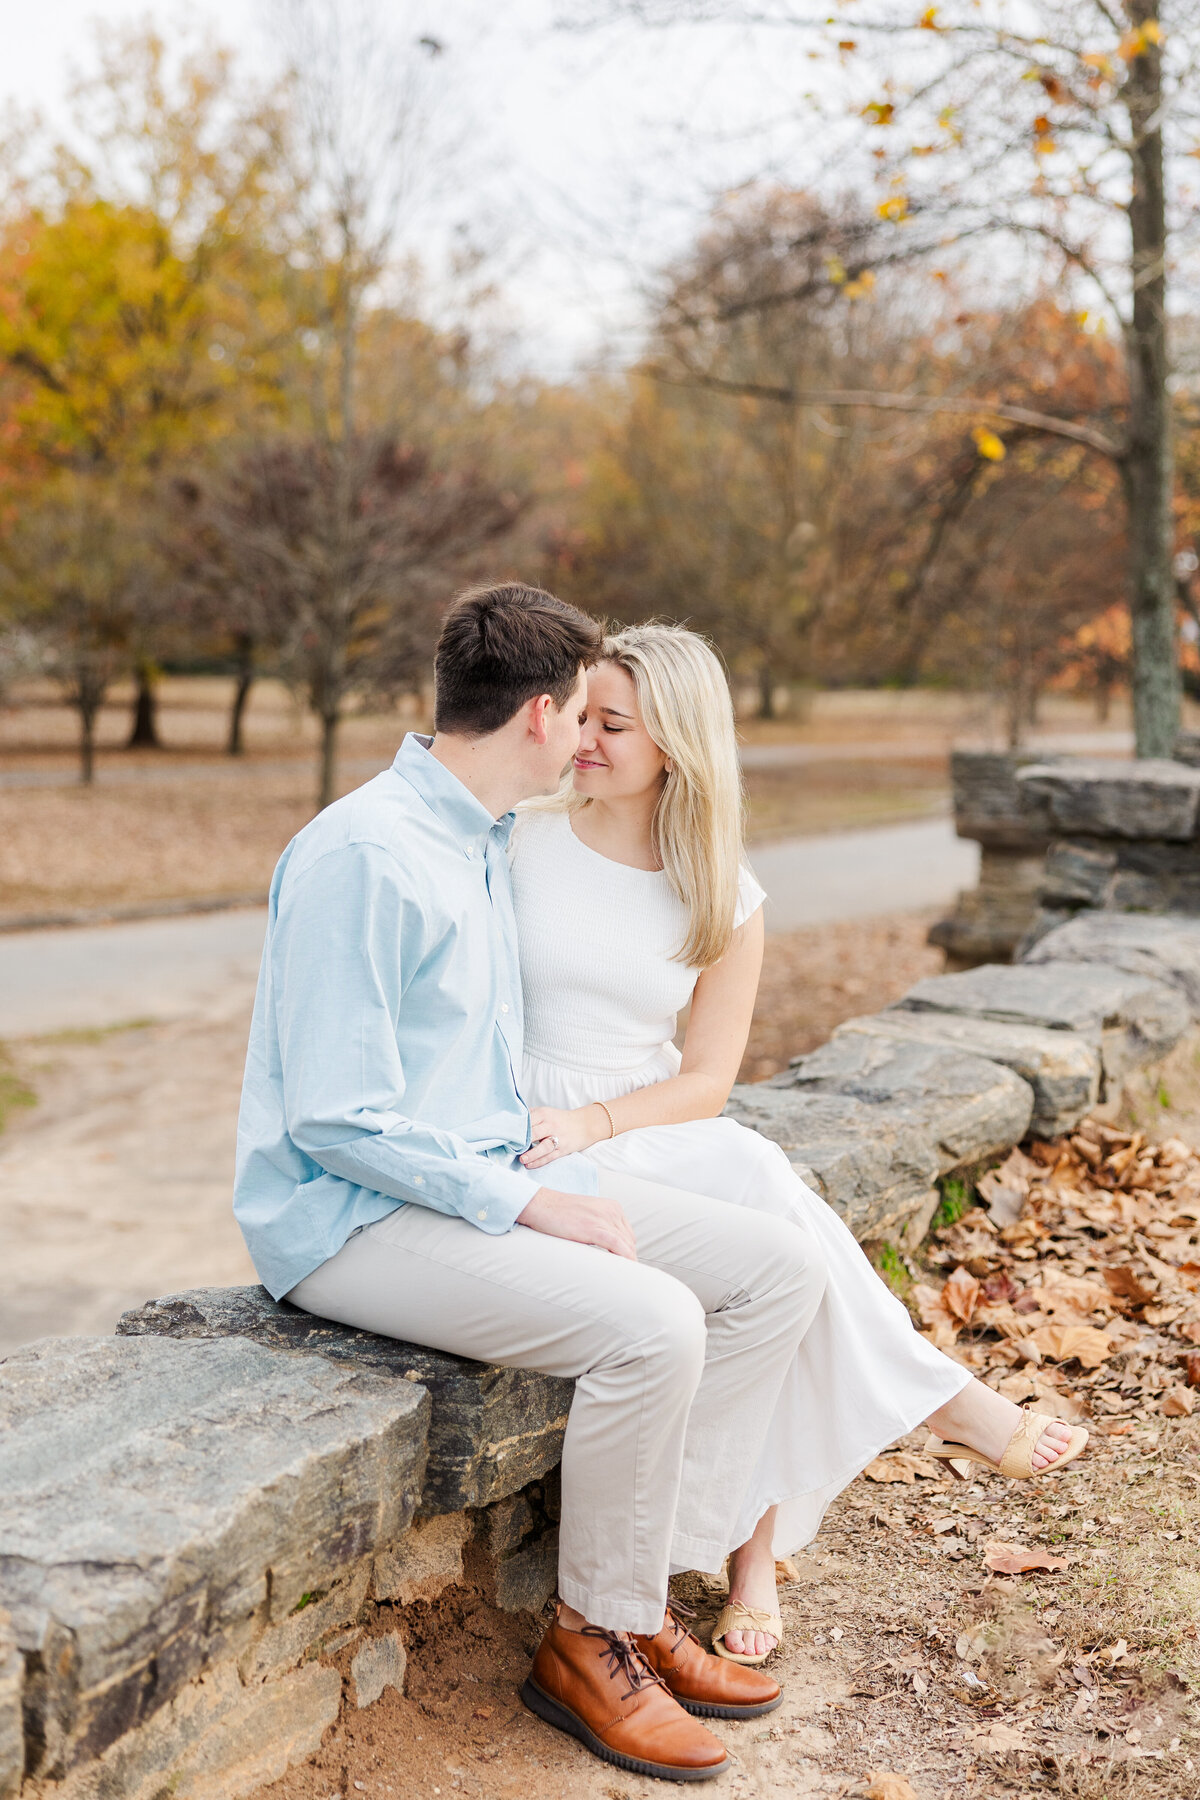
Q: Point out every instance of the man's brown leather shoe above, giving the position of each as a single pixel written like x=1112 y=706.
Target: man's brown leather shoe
x=705 y=1684
x=598 y=1686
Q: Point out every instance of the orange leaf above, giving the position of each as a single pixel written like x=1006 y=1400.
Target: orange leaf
x=961 y=1294
x=1178 y=1402
x=886 y=1786
x=1015 y=1559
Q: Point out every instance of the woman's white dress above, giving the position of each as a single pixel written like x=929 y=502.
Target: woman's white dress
x=601 y=995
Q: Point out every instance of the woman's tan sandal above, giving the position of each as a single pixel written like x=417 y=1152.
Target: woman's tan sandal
x=1017 y=1461
x=736 y=1617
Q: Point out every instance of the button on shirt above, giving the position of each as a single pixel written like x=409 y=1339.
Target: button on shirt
x=387 y=1027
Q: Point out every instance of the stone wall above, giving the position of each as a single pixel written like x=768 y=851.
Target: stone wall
x=990 y=920
x=215 y=1524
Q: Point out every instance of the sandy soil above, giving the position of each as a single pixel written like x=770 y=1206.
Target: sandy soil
x=904 y=1658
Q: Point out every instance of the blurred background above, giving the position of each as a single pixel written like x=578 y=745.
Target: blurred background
x=870 y=350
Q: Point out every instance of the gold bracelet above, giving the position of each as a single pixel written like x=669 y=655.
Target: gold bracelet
x=612 y=1130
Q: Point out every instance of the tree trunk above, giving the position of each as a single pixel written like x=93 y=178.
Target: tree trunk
x=87 y=742
x=766 y=689
x=241 y=693
x=1147 y=466
x=329 y=734
x=144 y=731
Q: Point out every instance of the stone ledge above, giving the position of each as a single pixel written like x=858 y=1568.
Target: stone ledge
x=1062 y=1069
x=164 y=1503
x=491 y=1430
x=871 y=1163
x=968 y=1107
x=1162 y=949
x=1150 y=798
x=1130 y=1019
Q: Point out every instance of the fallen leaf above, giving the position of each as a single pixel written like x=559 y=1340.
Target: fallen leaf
x=1083 y=1343
x=1190 y=1331
x=1178 y=1402
x=902 y=1465
x=1005 y=1204
x=961 y=1295
x=1126 y=1284
x=1015 y=1559
x=1191 y=1368
x=786 y=1569
x=999 y=1739
x=886 y=1786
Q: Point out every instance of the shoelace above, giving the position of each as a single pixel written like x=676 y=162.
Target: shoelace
x=676 y=1613
x=625 y=1658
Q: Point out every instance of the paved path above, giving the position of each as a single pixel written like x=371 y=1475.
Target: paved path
x=860 y=874
x=99 y=975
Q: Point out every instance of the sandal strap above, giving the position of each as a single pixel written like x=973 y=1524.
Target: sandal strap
x=1017 y=1461
x=738 y=1617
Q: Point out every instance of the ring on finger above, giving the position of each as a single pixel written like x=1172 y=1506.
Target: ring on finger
x=554 y=1143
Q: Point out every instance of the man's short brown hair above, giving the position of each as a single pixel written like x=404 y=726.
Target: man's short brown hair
x=501 y=646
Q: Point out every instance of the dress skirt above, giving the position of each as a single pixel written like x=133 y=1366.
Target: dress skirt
x=863 y=1375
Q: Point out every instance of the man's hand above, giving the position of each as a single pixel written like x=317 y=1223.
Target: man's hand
x=583 y=1218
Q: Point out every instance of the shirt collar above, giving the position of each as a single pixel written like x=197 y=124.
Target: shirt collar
x=465 y=817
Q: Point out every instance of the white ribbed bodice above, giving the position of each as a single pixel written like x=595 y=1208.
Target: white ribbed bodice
x=597 y=938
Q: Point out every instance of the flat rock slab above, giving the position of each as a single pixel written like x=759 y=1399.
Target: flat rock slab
x=990 y=804
x=1165 y=949
x=162 y=1502
x=1123 y=875
x=871 y=1163
x=1131 y=1020
x=491 y=1430
x=1062 y=1070
x=966 y=1105
x=1150 y=798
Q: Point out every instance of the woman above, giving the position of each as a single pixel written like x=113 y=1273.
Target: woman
x=632 y=901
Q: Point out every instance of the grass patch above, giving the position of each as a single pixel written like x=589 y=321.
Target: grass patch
x=891 y=1266
x=94 y=1034
x=14 y=1089
x=957 y=1198
x=309 y=1599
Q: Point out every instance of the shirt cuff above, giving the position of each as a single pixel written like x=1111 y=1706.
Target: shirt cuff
x=498 y=1199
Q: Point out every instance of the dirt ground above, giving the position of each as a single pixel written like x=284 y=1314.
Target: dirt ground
x=904 y=1657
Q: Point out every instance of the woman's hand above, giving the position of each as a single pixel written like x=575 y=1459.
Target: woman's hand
x=557 y=1133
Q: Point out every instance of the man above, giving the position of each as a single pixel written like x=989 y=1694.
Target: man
x=379 y=1185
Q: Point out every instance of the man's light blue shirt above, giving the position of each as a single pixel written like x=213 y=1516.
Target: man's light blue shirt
x=388 y=1029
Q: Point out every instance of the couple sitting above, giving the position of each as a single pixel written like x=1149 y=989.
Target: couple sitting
x=464 y=1123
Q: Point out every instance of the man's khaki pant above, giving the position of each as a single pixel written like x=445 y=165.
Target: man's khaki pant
x=677 y=1360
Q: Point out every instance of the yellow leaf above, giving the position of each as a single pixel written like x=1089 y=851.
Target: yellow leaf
x=988 y=444
x=879 y=112
x=895 y=208
x=835 y=268
x=928 y=19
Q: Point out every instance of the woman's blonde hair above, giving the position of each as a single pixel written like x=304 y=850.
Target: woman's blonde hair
x=698 y=824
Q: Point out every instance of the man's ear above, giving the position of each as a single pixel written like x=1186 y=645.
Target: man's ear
x=537 y=710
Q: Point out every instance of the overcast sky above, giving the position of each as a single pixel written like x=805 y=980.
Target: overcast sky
x=591 y=153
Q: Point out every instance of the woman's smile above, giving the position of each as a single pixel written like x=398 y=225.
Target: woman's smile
x=587 y=762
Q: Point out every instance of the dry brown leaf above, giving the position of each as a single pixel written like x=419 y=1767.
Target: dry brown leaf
x=884 y=1785
x=1190 y=1330
x=1127 y=1284
x=786 y=1569
x=1178 y=1402
x=1072 y=1295
x=961 y=1295
x=1062 y=1343
x=1016 y=1559
x=1191 y=1368
x=999 y=1739
x=902 y=1465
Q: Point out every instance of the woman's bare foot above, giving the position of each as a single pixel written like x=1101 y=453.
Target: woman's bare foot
x=985 y=1421
x=752 y=1581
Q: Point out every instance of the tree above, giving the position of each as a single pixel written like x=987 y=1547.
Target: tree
x=139 y=309
x=73 y=569
x=344 y=554
x=1061 y=129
